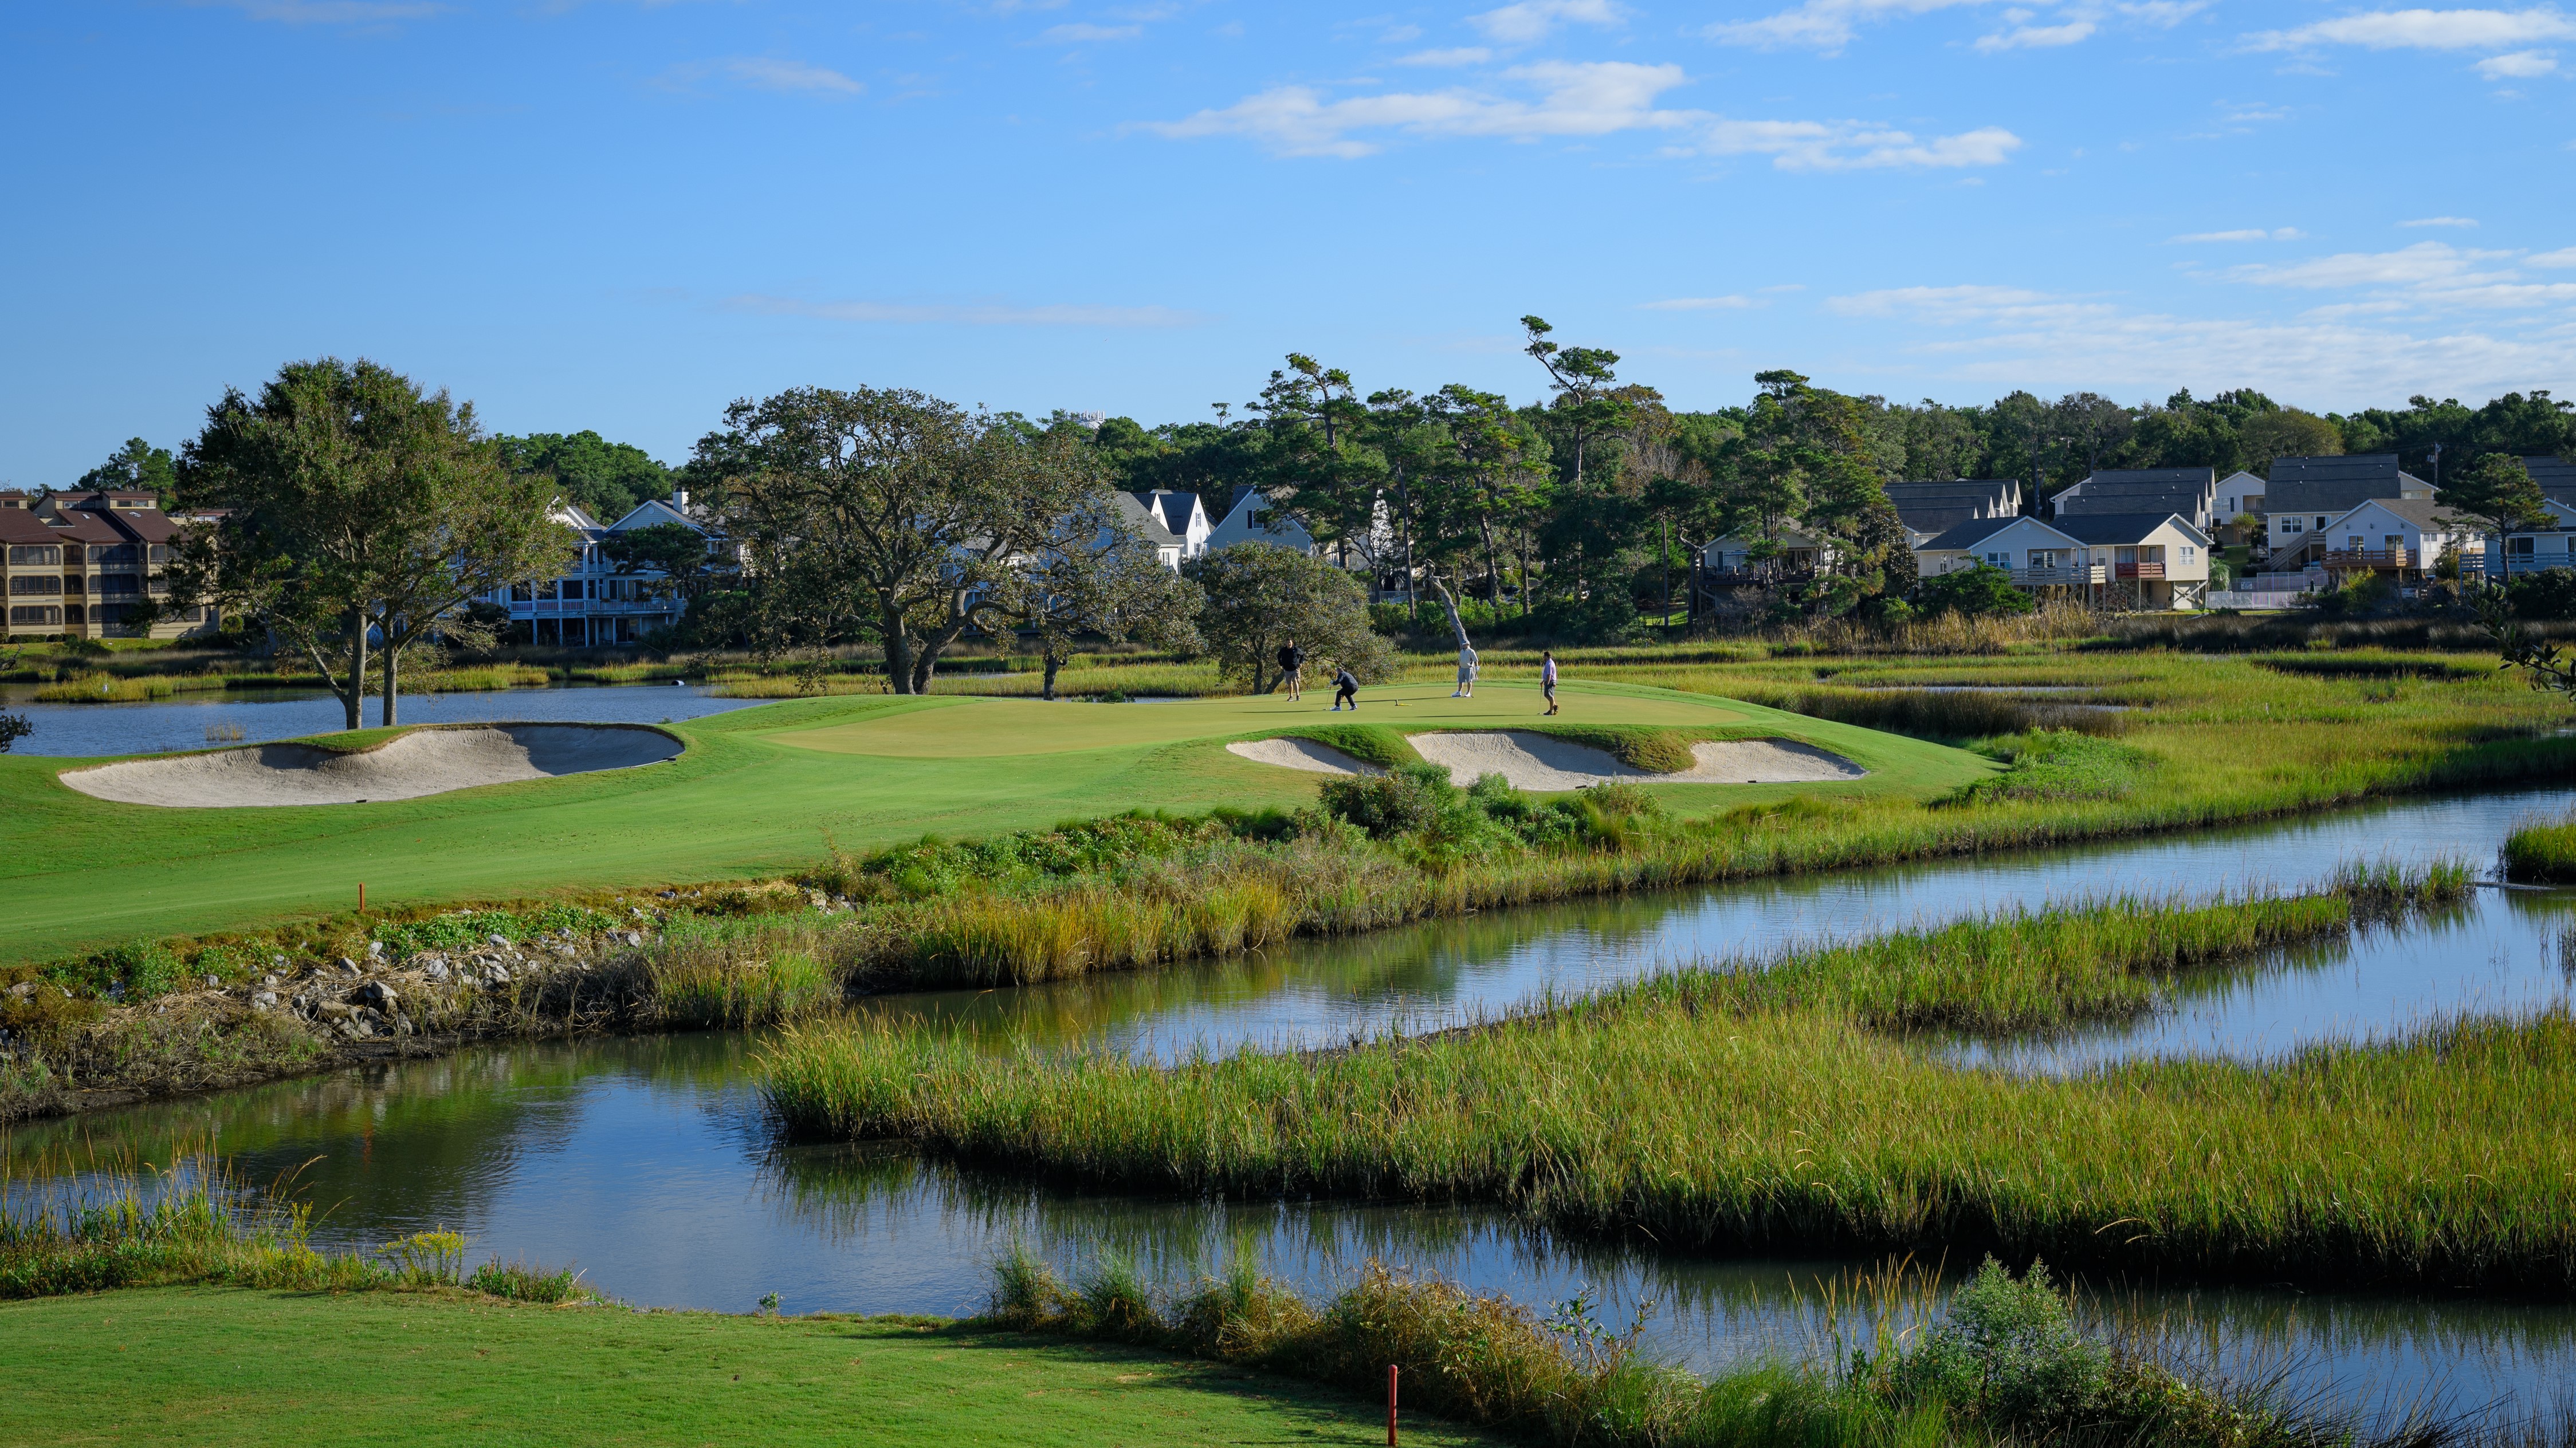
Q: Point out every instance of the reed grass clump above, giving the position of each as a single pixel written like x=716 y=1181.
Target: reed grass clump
x=1776 y=1105
x=2007 y=1360
x=2542 y=852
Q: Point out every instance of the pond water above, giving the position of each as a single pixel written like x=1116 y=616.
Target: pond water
x=648 y=1163
x=200 y=721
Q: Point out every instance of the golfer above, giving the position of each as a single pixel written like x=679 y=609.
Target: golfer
x=1466 y=673
x=1292 y=668
x=1547 y=677
x=1346 y=686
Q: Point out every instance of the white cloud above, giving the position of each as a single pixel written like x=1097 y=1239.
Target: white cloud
x=1530 y=21
x=2565 y=256
x=1463 y=55
x=2439 y=221
x=1855 y=145
x=1826 y=25
x=2166 y=13
x=966 y=315
x=2253 y=233
x=1698 y=304
x=338 y=12
x=2518 y=65
x=2037 y=37
x=1082 y=34
x=1591 y=98
x=2423 y=264
x=790 y=77
x=2424 y=30
x=2009 y=335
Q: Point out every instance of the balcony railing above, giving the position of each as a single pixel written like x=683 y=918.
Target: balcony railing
x=2139 y=570
x=1757 y=576
x=2370 y=558
x=2073 y=577
x=2535 y=562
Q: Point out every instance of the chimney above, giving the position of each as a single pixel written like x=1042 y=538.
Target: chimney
x=680 y=499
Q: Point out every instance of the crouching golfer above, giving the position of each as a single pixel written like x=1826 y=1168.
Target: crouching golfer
x=1346 y=689
x=1292 y=668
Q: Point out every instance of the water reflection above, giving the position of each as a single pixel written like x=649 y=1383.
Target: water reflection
x=200 y=721
x=647 y=1163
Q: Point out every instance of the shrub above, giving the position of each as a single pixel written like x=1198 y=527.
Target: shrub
x=1385 y=805
x=520 y=1282
x=2056 y=764
x=2008 y=1351
x=2547 y=594
x=1979 y=592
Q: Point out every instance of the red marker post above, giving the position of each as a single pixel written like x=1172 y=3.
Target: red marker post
x=1390 y=1405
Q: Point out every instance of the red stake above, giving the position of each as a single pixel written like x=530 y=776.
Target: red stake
x=1390 y=1405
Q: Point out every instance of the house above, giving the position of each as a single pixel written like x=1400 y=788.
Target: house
x=2153 y=560
x=2191 y=492
x=2556 y=476
x=2150 y=560
x=2402 y=538
x=1169 y=546
x=1251 y=517
x=2240 y=495
x=78 y=563
x=592 y=605
x=2032 y=552
x=2522 y=552
x=1182 y=515
x=1929 y=509
x=2304 y=494
x=1738 y=560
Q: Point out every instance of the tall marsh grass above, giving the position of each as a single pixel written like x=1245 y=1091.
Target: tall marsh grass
x=1775 y=1106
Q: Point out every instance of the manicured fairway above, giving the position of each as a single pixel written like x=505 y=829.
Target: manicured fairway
x=213 y=1367
x=759 y=791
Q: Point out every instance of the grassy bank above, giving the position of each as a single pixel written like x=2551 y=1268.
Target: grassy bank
x=1734 y=1109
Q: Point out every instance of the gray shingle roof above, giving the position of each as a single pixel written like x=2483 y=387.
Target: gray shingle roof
x=2098 y=529
x=1147 y=521
x=2422 y=512
x=2556 y=476
x=2333 y=484
x=1970 y=533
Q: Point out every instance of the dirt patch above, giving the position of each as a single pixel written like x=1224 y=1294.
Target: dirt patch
x=1542 y=762
x=1303 y=754
x=422 y=762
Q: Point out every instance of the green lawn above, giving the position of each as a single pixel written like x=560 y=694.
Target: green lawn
x=209 y=1366
x=758 y=791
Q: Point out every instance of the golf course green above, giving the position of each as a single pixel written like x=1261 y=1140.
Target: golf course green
x=762 y=790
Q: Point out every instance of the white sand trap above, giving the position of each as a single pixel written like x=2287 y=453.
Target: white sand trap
x=1544 y=762
x=1303 y=754
x=425 y=761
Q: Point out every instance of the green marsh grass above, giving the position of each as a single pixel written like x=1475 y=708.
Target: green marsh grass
x=2542 y=852
x=1776 y=1105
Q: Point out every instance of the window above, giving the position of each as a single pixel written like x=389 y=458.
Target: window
x=118 y=583
x=2000 y=560
x=36 y=555
x=2321 y=524
x=2289 y=525
x=120 y=553
x=46 y=585
x=2517 y=545
x=2186 y=553
x=521 y=592
x=34 y=615
x=160 y=552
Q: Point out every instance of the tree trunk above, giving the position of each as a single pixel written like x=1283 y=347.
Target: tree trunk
x=898 y=653
x=354 y=695
x=1456 y=624
x=1493 y=566
x=393 y=660
x=1054 y=661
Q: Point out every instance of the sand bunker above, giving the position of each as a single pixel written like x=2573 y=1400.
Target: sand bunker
x=1303 y=754
x=425 y=761
x=1544 y=762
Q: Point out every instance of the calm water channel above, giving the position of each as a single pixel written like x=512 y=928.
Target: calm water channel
x=647 y=1161
x=193 y=721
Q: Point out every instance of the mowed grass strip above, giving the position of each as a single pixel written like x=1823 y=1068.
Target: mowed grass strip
x=1735 y=1110
x=758 y=793
x=223 y=1366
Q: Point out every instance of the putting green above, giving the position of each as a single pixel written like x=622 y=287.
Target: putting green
x=759 y=791
x=990 y=728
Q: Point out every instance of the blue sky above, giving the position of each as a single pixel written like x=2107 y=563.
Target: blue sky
x=621 y=216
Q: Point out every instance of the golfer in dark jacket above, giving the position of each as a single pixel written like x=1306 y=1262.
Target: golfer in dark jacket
x=1292 y=668
x=1346 y=686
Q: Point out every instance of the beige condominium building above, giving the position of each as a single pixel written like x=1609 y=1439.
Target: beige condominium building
x=77 y=564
